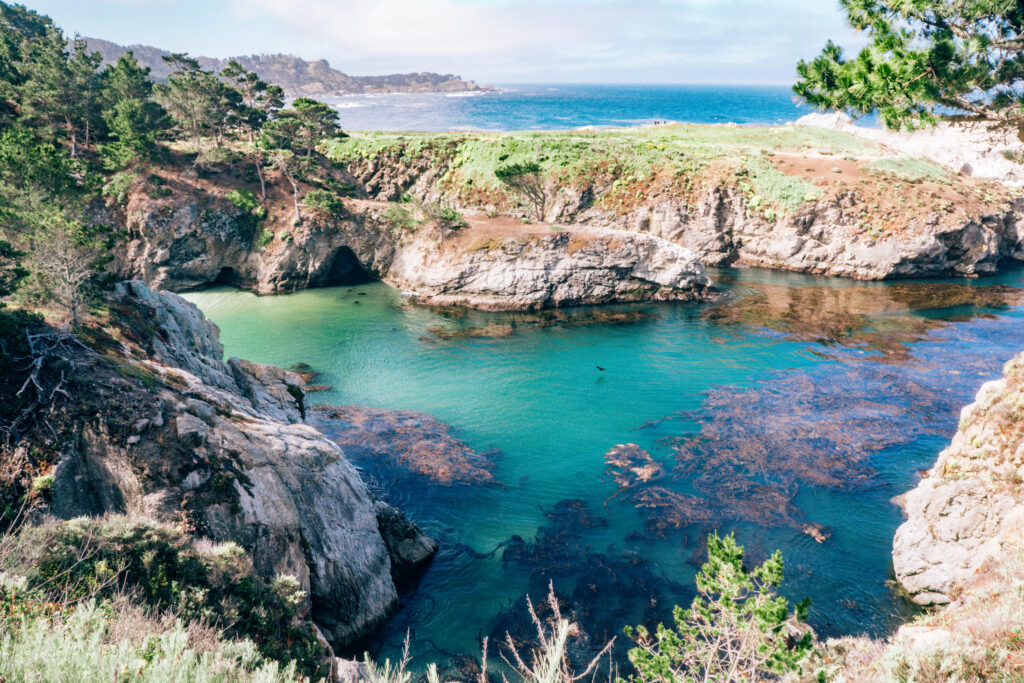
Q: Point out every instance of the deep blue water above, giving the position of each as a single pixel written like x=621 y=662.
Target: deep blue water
x=557 y=107
x=798 y=401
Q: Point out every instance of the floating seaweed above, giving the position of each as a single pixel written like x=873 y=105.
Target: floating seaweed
x=406 y=440
x=630 y=465
x=877 y=319
x=601 y=591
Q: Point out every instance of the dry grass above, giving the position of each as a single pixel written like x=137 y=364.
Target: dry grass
x=979 y=637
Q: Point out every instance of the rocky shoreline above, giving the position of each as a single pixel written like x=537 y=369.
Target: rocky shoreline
x=856 y=220
x=190 y=241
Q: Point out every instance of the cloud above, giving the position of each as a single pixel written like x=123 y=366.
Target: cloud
x=691 y=39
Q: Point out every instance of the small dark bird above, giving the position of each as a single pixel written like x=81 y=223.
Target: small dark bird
x=599 y=368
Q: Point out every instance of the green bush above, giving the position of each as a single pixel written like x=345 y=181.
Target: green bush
x=78 y=646
x=117 y=187
x=444 y=217
x=86 y=559
x=263 y=238
x=243 y=199
x=400 y=218
x=738 y=627
x=325 y=203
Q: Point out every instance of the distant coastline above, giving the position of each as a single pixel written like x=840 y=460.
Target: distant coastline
x=299 y=77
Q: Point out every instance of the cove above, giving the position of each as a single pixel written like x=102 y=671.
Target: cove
x=791 y=413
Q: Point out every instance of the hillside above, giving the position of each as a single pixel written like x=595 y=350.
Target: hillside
x=297 y=76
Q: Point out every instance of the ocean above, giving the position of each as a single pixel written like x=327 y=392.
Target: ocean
x=559 y=107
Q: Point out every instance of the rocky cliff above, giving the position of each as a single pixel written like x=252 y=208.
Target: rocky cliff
x=790 y=198
x=195 y=237
x=165 y=429
x=969 y=508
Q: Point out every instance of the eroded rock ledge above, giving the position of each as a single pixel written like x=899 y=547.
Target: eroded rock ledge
x=492 y=263
x=969 y=508
x=170 y=431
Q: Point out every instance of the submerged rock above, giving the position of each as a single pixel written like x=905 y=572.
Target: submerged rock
x=970 y=506
x=225 y=453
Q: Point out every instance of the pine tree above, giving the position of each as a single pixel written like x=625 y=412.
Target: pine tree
x=928 y=60
x=737 y=628
x=132 y=118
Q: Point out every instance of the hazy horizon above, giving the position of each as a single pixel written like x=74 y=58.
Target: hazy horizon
x=501 y=42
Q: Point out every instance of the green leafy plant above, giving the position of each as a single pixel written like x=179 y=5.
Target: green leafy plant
x=737 y=628
x=117 y=187
x=444 y=217
x=325 y=203
x=243 y=199
x=926 y=61
x=400 y=218
x=89 y=559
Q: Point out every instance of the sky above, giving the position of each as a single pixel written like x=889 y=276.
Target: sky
x=492 y=41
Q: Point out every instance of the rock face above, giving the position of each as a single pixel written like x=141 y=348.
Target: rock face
x=175 y=433
x=177 y=246
x=970 y=506
x=548 y=271
x=824 y=238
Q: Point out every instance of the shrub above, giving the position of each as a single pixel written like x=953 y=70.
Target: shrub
x=263 y=238
x=78 y=646
x=325 y=203
x=86 y=559
x=243 y=199
x=399 y=218
x=444 y=217
x=117 y=187
x=737 y=628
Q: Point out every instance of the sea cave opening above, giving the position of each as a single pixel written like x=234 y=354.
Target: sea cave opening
x=345 y=269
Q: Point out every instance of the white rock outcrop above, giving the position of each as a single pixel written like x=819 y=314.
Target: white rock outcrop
x=973 y=151
x=970 y=505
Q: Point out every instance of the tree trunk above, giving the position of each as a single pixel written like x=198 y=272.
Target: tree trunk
x=71 y=136
x=263 y=181
x=295 y=198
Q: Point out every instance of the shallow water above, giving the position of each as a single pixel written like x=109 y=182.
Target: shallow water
x=800 y=405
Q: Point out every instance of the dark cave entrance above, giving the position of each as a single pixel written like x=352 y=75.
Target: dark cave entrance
x=227 y=277
x=345 y=269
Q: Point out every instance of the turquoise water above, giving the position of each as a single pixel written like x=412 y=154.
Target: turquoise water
x=818 y=398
